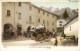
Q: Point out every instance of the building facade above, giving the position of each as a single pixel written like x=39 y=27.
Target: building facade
x=71 y=28
x=60 y=25
x=26 y=14
x=61 y=22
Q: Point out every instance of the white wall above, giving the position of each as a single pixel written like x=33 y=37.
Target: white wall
x=63 y=22
x=74 y=28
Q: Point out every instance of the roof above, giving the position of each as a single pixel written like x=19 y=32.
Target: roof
x=41 y=9
x=70 y=21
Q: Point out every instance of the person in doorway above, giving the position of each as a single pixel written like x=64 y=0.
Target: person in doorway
x=28 y=31
x=19 y=29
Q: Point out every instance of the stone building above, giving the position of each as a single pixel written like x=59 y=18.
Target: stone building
x=26 y=14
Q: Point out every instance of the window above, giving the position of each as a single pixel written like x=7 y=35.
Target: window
x=44 y=22
x=19 y=15
x=30 y=19
x=60 y=21
x=43 y=13
x=8 y=13
x=47 y=23
x=20 y=4
x=70 y=28
x=48 y=14
x=60 y=24
x=30 y=8
x=39 y=10
x=39 y=20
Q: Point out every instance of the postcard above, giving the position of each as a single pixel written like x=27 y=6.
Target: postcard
x=39 y=25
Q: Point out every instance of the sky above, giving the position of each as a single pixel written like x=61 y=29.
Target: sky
x=72 y=5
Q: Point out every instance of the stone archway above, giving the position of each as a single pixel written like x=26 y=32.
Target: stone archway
x=8 y=27
x=8 y=31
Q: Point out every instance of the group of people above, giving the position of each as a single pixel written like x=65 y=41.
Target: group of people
x=40 y=33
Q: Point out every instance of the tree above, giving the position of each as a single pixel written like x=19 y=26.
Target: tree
x=65 y=14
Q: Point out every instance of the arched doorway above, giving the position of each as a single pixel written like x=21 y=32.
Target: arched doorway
x=8 y=27
x=8 y=31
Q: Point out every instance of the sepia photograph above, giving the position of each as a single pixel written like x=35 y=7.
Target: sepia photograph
x=40 y=23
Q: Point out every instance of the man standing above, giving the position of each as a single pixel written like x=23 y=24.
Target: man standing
x=28 y=31
x=56 y=42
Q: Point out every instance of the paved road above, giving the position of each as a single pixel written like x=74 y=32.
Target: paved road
x=19 y=41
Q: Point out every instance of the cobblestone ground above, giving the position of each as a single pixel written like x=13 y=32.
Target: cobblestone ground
x=22 y=41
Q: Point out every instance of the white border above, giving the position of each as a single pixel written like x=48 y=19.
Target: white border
x=27 y=48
